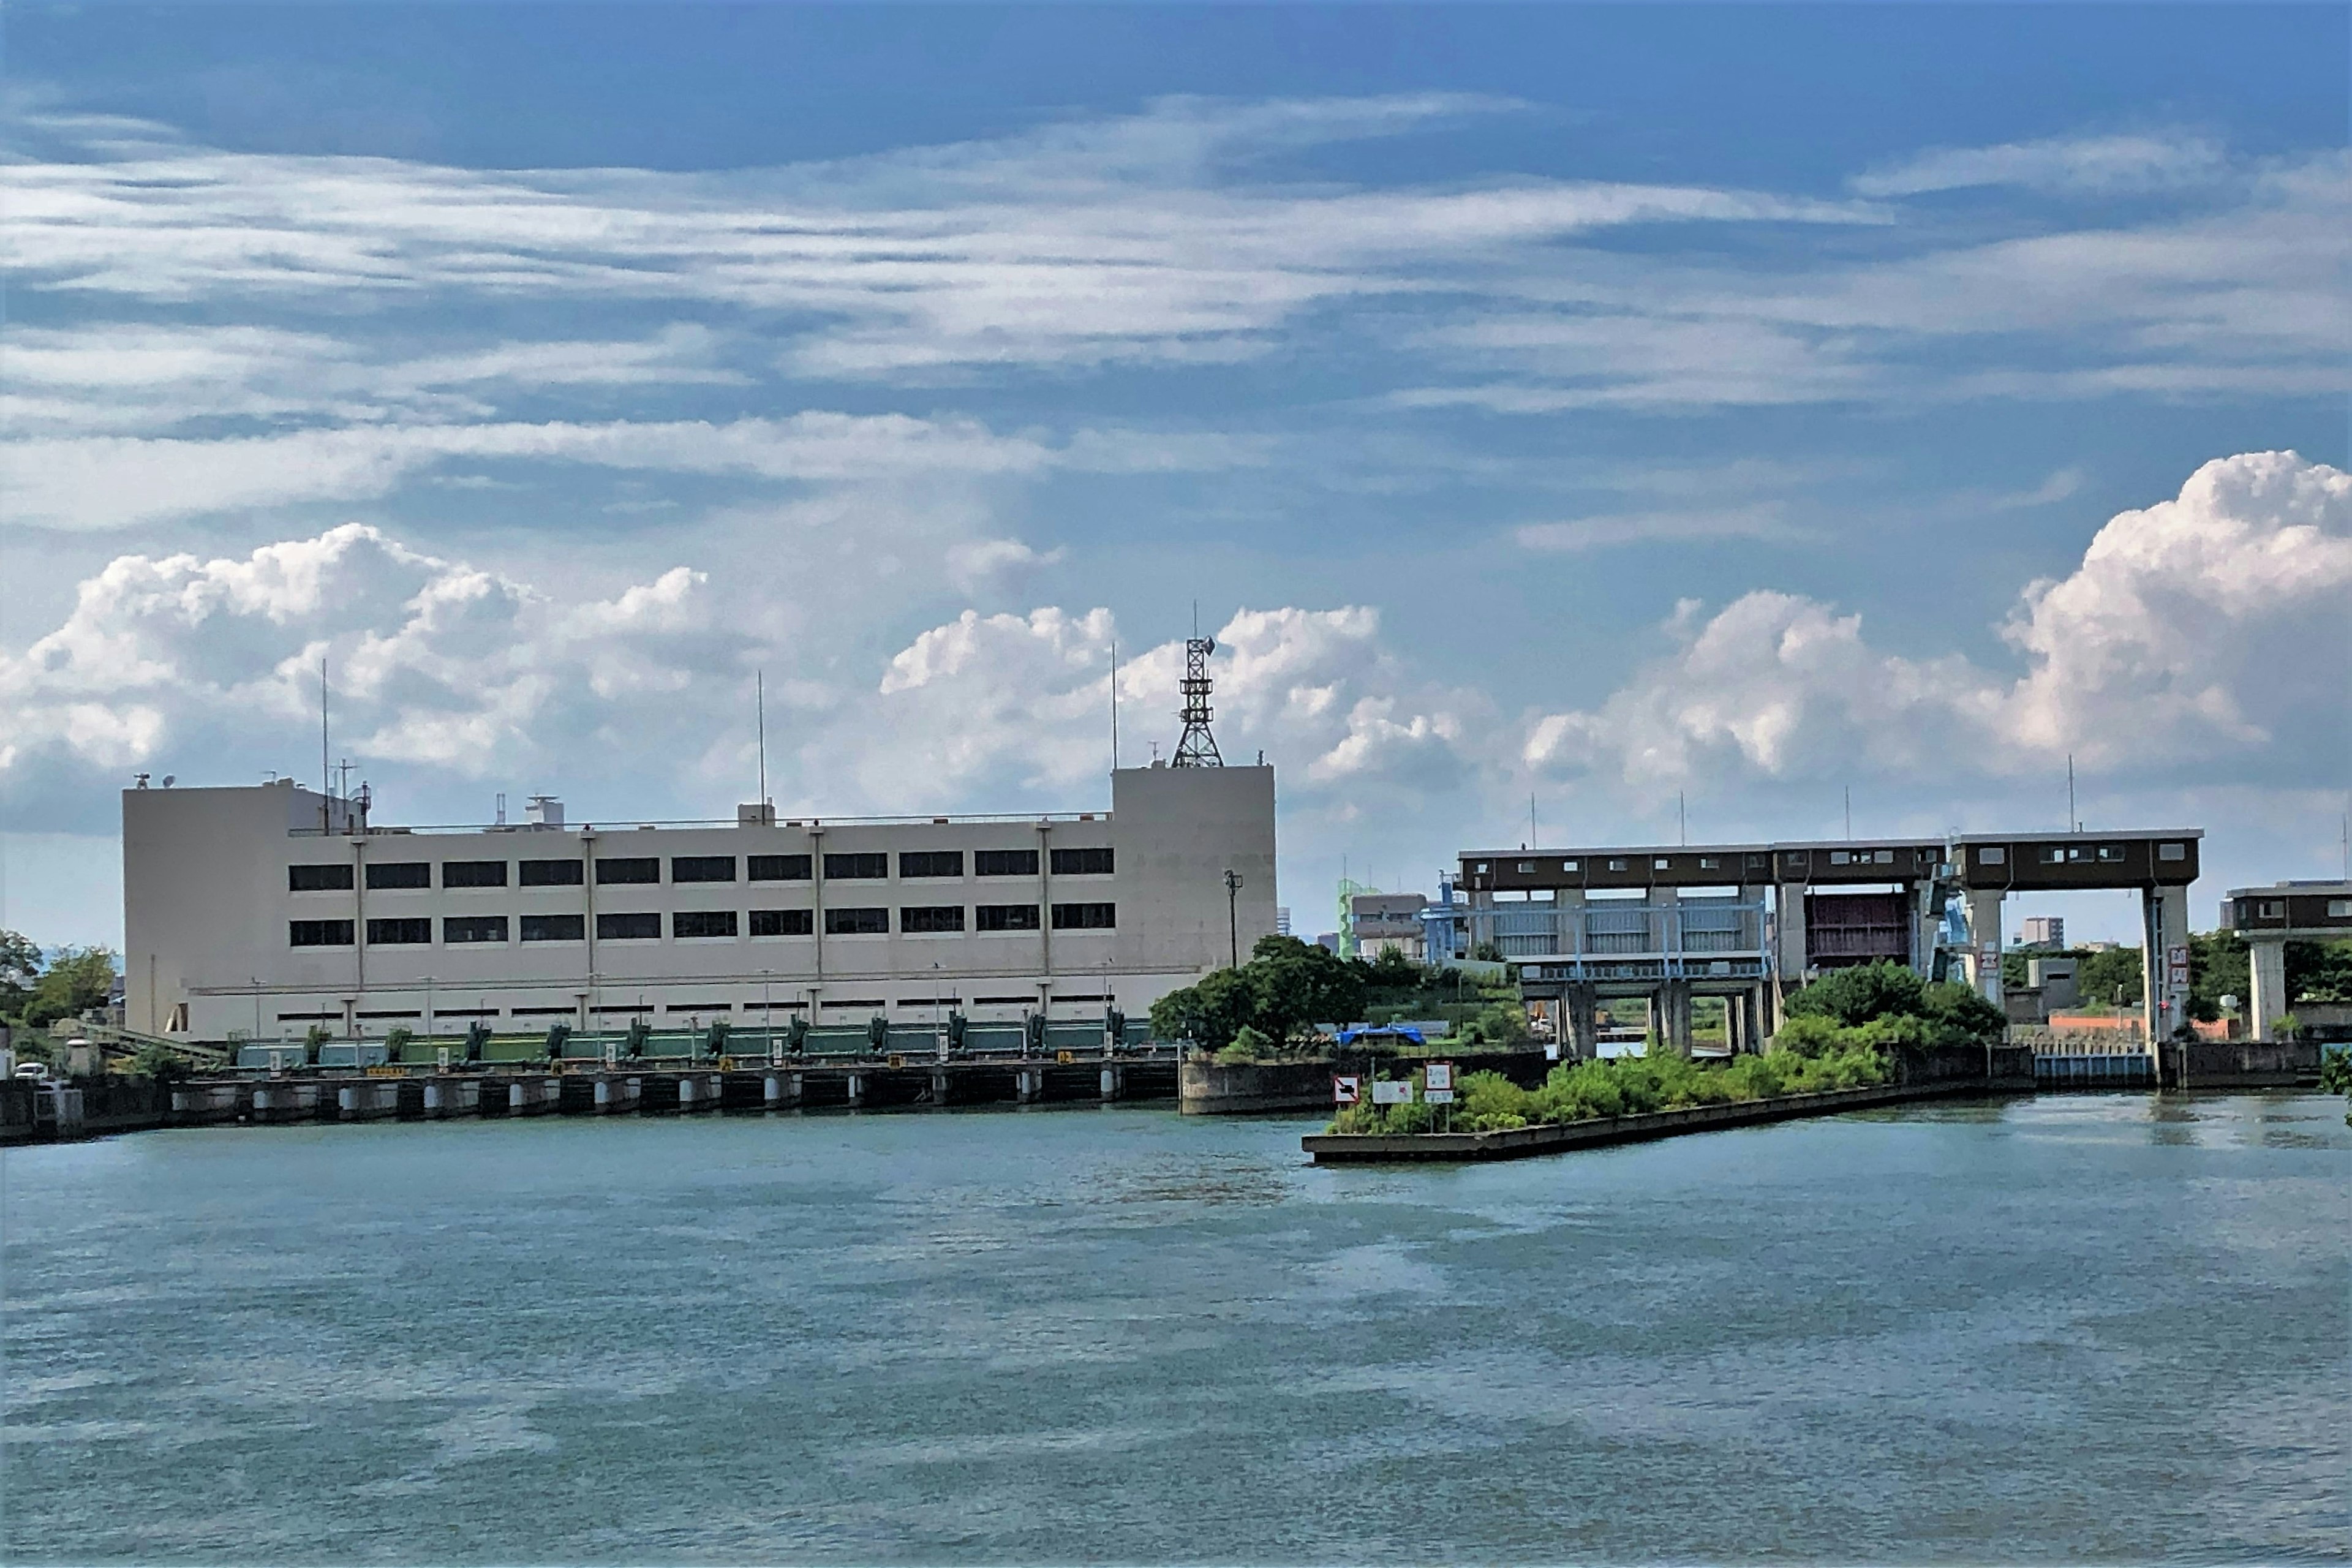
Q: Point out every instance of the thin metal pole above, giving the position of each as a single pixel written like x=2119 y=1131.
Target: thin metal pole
x=759 y=700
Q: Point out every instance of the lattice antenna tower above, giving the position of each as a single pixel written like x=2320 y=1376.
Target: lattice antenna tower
x=1198 y=748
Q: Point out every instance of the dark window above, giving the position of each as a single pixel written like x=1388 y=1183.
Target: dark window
x=2054 y=854
x=930 y=863
x=317 y=879
x=780 y=869
x=318 y=934
x=400 y=874
x=627 y=868
x=474 y=928
x=702 y=922
x=856 y=923
x=1004 y=863
x=399 y=933
x=1081 y=862
x=702 y=867
x=1085 y=917
x=780 y=922
x=627 y=927
x=551 y=874
x=2111 y=851
x=930 y=918
x=555 y=927
x=473 y=873
x=857 y=868
x=1005 y=916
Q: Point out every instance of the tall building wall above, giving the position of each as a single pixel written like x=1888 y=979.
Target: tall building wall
x=1125 y=905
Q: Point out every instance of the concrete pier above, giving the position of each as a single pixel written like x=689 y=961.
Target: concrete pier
x=375 y=1099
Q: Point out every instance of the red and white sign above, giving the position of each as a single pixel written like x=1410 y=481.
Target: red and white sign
x=1392 y=1091
x=1440 y=1075
x=1344 y=1091
x=2178 y=958
x=2180 y=977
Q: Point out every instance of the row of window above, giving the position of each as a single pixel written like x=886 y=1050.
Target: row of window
x=856 y=865
x=914 y=920
x=2071 y=854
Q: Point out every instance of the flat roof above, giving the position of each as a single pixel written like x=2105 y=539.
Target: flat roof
x=2110 y=834
x=2290 y=890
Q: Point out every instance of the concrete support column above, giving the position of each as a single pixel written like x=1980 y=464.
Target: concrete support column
x=1025 y=1083
x=1788 y=932
x=2268 y=998
x=1110 y=1083
x=1673 y=1020
x=857 y=1089
x=2165 y=912
x=938 y=1089
x=1580 y=1009
x=772 y=1090
x=1984 y=942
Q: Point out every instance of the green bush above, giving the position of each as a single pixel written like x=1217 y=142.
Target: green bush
x=1248 y=1046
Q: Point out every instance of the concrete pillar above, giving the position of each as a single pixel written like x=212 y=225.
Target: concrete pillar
x=772 y=1090
x=1025 y=1084
x=2268 y=1000
x=857 y=1089
x=1672 y=1015
x=689 y=1091
x=603 y=1094
x=2165 y=912
x=514 y=1096
x=1110 y=1083
x=1580 y=1020
x=1788 y=932
x=938 y=1089
x=1984 y=941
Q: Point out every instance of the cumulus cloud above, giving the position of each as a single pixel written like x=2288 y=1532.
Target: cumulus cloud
x=436 y=663
x=2211 y=627
x=1024 y=700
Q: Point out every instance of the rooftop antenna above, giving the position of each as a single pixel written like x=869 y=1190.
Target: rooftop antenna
x=1113 y=705
x=2074 y=823
x=760 y=707
x=1849 y=811
x=1197 y=748
x=1534 y=837
x=1682 y=817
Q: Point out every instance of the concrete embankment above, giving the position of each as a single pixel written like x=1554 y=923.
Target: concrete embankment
x=1519 y=1143
x=1204 y=1087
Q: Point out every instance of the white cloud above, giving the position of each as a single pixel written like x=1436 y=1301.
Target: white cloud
x=2211 y=628
x=100 y=482
x=2066 y=163
x=1764 y=521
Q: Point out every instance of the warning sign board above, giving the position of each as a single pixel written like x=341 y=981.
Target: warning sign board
x=1392 y=1091
x=1440 y=1075
x=1344 y=1091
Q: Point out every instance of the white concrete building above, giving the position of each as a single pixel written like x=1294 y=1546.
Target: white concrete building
x=259 y=911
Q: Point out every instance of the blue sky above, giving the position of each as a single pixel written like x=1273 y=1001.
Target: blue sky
x=1614 y=404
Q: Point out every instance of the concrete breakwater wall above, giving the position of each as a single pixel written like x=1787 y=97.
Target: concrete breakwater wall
x=127 y=1104
x=1521 y=1142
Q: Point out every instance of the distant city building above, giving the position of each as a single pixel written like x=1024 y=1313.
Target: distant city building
x=2043 y=931
x=1282 y=919
x=1329 y=938
x=1387 y=922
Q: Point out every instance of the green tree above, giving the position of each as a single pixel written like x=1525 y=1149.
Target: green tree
x=2319 y=970
x=2104 y=976
x=1392 y=970
x=1860 y=993
x=1209 y=1012
x=1296 y=985
x=78 y=981
x=20 y=968
x=2219 y=966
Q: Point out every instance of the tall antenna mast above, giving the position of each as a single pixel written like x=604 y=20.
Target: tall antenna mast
x=326 y=772
x=759 y=704
x=1197 y=748
x=1113 y=705
x=2074 y=823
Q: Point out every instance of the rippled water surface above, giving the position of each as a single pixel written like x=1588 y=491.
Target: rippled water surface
x=2070 y=1328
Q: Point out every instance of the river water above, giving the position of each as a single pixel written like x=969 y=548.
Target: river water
x=2064 y=1327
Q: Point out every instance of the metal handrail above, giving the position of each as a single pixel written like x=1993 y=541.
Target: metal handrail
x=979 y=818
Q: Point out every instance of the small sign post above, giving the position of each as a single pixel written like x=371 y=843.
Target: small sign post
x=1438 y=1088
x=1346 y=1088
x=1392 y=1091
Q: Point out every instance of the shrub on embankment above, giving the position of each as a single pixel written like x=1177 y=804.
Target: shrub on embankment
x=1843 y=1031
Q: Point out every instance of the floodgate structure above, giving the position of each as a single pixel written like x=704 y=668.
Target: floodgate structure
x=1749 y=922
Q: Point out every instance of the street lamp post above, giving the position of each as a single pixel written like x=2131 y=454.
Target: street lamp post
x=1233 y=919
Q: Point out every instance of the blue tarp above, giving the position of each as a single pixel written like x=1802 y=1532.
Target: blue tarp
x=1396 y=1032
